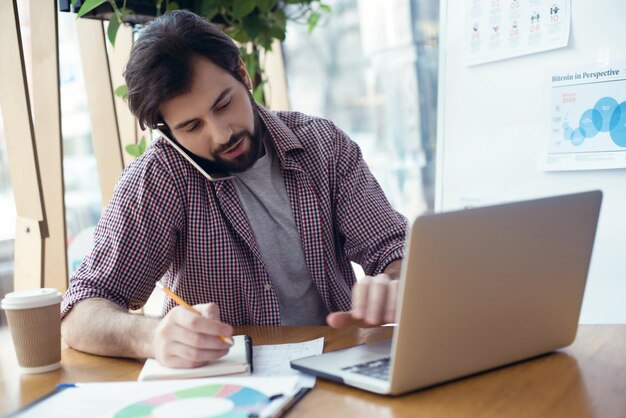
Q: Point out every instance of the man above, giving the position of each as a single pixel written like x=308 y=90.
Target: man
x=268 y=241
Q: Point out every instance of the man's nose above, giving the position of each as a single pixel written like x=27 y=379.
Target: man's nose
x=219 y=133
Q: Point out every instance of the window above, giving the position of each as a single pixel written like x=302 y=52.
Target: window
x=371 y=68
x=82 y=190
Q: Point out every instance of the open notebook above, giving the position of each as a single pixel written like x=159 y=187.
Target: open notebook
x=237 y=361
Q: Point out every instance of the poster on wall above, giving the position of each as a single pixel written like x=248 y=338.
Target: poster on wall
x=501 y=29
x=587 y=118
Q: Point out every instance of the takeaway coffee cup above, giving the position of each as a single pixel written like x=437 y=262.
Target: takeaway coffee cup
x=35 y=322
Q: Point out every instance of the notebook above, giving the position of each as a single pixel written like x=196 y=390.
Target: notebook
x=479 y=289
x=237 y=361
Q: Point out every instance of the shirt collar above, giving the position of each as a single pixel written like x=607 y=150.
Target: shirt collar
x=284 y=139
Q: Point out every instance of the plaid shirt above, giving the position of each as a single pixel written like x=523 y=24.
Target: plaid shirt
x=165 y=218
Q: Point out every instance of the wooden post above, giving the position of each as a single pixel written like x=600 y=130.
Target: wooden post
x=47 y=121
x=105 y=134
x=22 y=152
x=276 y=87
x=127 y=124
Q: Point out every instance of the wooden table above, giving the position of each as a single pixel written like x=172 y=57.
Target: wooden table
x=587 y=379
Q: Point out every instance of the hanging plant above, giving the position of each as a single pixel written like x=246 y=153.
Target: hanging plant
x=254 y=24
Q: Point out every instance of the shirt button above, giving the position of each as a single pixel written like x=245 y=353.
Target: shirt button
x=267 y=286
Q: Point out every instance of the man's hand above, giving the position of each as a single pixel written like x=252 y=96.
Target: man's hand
x=374 y=301
x=184 y=339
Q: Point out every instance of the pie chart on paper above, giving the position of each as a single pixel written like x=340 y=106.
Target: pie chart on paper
x=215 y=400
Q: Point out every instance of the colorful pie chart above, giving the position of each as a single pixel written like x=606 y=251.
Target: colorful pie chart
x=216 y=400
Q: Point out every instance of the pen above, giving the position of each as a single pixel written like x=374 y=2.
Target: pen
x=177 y=299
x=281 y=404
x=249 y=352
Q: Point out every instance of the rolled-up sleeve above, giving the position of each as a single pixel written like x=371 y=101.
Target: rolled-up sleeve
x=134 y=241
x=373 y=232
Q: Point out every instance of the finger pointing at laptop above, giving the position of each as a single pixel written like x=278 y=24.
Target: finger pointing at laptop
x=374 y=300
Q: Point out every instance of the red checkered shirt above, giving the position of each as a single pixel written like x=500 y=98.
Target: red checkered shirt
x=166 y=219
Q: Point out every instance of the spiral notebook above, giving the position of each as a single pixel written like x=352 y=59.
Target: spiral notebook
x=237 y=361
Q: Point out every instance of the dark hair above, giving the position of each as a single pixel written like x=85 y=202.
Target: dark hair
x=160 y=63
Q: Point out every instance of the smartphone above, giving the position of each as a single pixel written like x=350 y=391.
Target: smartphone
x=167 y=135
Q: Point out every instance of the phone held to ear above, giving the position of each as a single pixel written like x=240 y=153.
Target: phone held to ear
x=213 y=177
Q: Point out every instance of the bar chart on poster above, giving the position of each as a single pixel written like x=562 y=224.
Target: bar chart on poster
x=532 y=103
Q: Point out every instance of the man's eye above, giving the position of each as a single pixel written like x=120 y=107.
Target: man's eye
x=225 y=105
x=192 y=128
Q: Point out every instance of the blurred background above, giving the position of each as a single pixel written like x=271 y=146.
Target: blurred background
x=369 y=66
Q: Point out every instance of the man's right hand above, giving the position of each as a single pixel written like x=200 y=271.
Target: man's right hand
x=184 y=339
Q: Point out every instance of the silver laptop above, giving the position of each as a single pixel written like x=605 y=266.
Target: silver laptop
x=480 y=288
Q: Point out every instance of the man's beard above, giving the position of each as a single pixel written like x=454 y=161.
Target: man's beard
x=219 y=165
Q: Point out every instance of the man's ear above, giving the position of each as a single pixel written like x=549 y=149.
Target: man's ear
x=243 y=72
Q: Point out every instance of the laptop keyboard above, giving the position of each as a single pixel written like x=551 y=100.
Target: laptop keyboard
x=378 y=369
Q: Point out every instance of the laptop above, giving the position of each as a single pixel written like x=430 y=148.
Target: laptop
x=480 y=288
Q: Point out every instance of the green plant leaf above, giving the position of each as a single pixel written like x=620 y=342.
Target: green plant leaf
x=89 y=5
x=125 y=12
x=253 y=25
x=280 y=19
x=224 y=3
x=172 y=5
x=114 y=25
x=251 y=60
x=313 y=19
x=134 y=150
x=208 y=8
x=243 y=8
x=258 y=95
x=73 y=3
x=157 y=7
x=326 y=8
x=278 y=33
x=142 y=144
x=239 y=34
x=265 y=41
x=266 y=5
x=121 y=91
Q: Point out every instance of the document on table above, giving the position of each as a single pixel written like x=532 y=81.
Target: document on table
x=273 y=359
x=223 y=396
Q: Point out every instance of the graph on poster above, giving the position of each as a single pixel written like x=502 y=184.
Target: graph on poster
x=588 y=119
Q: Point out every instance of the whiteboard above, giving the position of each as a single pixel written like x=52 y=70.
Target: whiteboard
x=493 y=125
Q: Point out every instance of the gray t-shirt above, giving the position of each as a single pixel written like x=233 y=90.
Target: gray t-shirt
x=261 y=190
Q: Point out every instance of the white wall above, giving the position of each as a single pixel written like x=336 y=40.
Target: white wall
x=493 y=129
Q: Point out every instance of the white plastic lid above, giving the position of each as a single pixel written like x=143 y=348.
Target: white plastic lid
x=33 y=298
